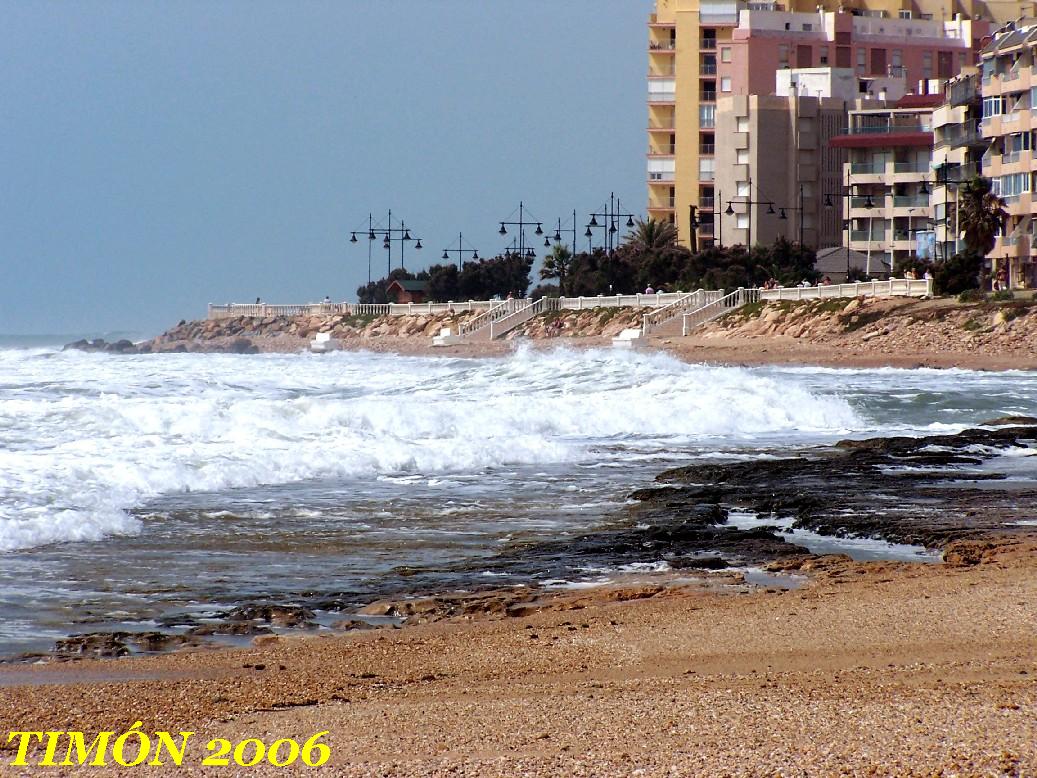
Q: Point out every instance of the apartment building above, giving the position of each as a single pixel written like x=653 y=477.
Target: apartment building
x=700 y=51
x=776 y=165
x=1009 y=89
x=958 y=150
x=887 y=180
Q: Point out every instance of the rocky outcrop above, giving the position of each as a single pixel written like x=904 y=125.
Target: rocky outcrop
x=245 y=335
x=890 y=326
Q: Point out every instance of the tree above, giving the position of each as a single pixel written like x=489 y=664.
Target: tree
x=443 y=283
x=500 y=276
x=981 y=214
x=651 y=235
x=557 y=265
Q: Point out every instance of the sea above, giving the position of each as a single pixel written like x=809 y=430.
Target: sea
x=133 y=487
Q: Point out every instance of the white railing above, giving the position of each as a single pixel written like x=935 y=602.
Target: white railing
x=499 y=310
x=663 y=314
x=894 y=287
x=717 y=308
x=512 y=320
x=262 y=310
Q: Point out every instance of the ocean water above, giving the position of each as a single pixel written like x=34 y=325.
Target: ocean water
x=134 y=487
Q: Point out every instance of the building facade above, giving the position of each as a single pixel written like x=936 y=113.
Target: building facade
x=958 y=151
x=1008 y=90
x=774 y=168
x=700 y=51
x=887 y=181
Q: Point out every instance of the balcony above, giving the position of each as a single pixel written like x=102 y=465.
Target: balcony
x=707 y=69
x=861 y=236
x=662 y=150
x=877 y=201
x=708 y=96
x=662 y=72
x=665 y=203
x=707 y=175
x=708 y=44
x=707 y=148
x=662 y=97
x=911 y=201
x=662 y=47
x=706 y=203
x=666 y=125
x=889 y=128
x=866 y=168
x=1011 y=157
x=910 y=167
x=655 y=176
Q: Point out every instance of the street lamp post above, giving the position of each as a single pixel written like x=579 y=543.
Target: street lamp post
x=557 y=237
x=610 y=214
x=847 y=192
x=693 y=225
x=461 y=251
x=748 y=202
x=522 y=224
x=389 y=234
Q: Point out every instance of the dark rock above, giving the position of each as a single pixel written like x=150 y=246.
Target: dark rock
x=698 y=563
x=94 y=645
x=242 y=346
x=278 y=615
x=1004 y=421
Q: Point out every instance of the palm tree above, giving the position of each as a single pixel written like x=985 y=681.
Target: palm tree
x=651 y=235
x=557 y=264
x=981 y=214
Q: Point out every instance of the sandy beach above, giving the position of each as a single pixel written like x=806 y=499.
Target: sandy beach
x=867 y=669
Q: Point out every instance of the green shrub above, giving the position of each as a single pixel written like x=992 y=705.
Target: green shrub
x=1003 y=294
x=971 y=296
x=971 y=326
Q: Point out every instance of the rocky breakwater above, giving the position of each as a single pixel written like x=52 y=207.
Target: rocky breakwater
x=249 y=335
x=891 y=326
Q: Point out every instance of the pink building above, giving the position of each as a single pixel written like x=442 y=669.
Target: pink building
x=873 y=46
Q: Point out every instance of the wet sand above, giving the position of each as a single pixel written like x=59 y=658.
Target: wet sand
x=870 y=668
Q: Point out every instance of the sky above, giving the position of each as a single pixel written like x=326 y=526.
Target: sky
x=158 y=156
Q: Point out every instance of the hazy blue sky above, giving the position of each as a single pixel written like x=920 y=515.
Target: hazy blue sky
x=159 y=156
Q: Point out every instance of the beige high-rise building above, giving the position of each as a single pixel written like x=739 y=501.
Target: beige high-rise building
x=775 y=186
x=702 y=50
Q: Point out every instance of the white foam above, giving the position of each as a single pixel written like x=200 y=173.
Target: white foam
x=86 y=437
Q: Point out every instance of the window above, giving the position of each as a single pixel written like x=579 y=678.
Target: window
x=993 y=106
x=742 y=157
x=927 y=65
x=707 y=116
x=807 y=27
x=742 y=221
x=898 y=57
x=725 y=54
x=742 y=189
x=1011 y=185
x=725 y=84
x=742 y=124
x=823 y=53
x=862 y=60
x=904 y=14
x=707 y=168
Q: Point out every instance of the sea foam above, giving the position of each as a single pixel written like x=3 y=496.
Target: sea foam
x=85 y=438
